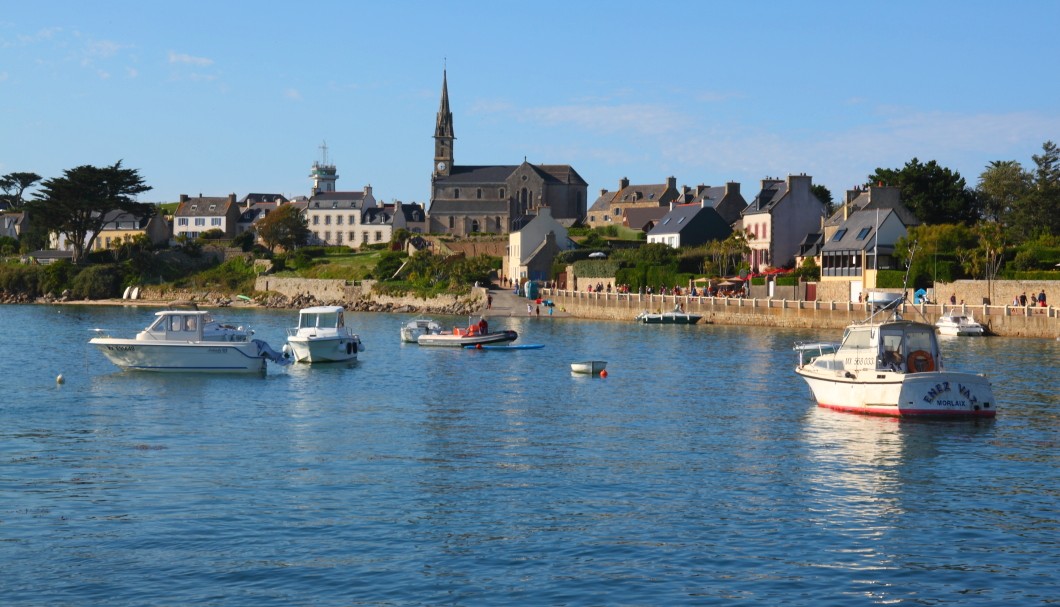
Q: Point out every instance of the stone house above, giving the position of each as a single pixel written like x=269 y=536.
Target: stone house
x=203 y=213
x=610 y=208
x=689 y=225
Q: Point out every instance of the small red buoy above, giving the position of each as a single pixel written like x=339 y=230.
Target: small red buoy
x=603 y=373
x=478 y=346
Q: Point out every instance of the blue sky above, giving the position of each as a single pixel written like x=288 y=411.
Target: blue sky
x=221 y=97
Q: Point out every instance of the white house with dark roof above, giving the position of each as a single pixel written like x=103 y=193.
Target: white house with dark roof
x=689 y=225
x=778 y=220
x=203 y=213
x=334 y=218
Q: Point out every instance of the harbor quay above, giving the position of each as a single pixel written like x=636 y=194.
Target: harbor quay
x=1012 y=321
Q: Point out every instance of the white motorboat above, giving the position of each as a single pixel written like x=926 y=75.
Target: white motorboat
x=411 y=331
x=592 y=367
x=675 y=317
x=322 y=336
x=894 y=367
x=955 y=323
x=189 y=340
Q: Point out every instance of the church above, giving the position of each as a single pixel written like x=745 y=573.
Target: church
x=496 y=199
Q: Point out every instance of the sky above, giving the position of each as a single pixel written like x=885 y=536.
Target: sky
x=238 y=97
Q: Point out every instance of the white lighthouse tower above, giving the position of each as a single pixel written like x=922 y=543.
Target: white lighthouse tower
x=323 y=174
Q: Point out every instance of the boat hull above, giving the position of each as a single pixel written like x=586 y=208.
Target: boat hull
x=177 y=357
x=324 y=349
x=456 y=341
x=960 y=331
x=591 y=367
x=931 y=394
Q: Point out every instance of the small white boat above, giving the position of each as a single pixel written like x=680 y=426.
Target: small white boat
x=411 y=331
x=955 y=323
x=189 y=340
x=676 y=317
x=322 y=336
x=894 y=367
x=592 y=367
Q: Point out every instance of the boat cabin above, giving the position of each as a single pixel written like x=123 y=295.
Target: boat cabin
x=177 y=325
x=320 y=317
x=900 y=346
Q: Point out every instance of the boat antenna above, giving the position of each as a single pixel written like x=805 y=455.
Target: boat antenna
x=905 y=282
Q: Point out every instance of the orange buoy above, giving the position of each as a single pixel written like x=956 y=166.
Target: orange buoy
x=478 y=346
x=603 y=373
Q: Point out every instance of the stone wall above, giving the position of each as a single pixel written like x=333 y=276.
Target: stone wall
x=359 y=296
x=1000 y=292
x=999 y=320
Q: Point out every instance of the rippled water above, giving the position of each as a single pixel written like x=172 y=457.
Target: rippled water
x=698 y=472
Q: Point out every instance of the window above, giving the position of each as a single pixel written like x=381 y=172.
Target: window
x=364 y=237
x=863 y=233
x=316 y=219
x=352 y=236
x=680 y=219
x=215 y=221
x=666 y=221
x=502 y=193
x=478 y=193
x=338 y=237
x=456 y=193
x=352 y=220
x=839 y=235
x=338 y=220
x=378 y=236
x=182 y=221
x=327 y=220
x=327 y=236
x=200 y=221
x=451 y=223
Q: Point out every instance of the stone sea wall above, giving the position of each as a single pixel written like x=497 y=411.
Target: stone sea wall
x=358 y=296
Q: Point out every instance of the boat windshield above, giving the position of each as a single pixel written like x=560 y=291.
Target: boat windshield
x=320 y=319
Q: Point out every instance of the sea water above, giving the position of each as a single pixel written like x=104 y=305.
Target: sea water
x=698 y=472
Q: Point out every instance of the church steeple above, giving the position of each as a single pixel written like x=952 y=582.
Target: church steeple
x=443 y=134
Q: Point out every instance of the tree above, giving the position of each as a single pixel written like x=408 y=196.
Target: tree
x=15 y=185
x=76 y=204
x=933 y=193
x=824 y=195
x=285 y=227
x=1001 y=187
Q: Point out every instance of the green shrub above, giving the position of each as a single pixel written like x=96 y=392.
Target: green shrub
x=97 y=282
x=17 y=278
x=788 y=280
x=56 y=276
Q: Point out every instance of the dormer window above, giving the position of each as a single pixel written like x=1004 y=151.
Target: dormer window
x=839 y=235
x=194 y=207
x=863 y=233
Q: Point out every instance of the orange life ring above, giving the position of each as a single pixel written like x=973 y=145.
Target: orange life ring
x=920 y=361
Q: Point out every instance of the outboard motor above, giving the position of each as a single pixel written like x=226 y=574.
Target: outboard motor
x=268 y=353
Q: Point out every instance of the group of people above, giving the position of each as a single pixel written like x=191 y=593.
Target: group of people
x=1023 y=301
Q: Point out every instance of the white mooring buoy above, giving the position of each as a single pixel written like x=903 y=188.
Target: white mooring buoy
x=60 y=379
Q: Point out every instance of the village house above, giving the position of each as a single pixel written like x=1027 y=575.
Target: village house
x=335 y=218
x=726 y=200
x=689 y=225
x=122 y=227
x=532 y=249
x=610 y=208
x=204 y=213
x=778 y=220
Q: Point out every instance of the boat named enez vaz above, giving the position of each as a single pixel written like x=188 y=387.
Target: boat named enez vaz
x=893 y=367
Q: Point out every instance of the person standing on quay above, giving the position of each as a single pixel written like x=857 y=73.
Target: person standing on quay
x=1041 y=299
x=1023 y=299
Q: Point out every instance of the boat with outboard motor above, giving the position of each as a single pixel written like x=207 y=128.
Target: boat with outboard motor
x=473 y=335
x=322 y=336
x=955 y=323
x=189 y=340
x=887 y=365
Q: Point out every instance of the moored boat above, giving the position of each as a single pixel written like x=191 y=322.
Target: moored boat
x=473 y=335
x=411 y=331
x=189 y=340
x=591 y=367
x=322 y=336
x=955 y=323
x=675 y=317
x=894 y=367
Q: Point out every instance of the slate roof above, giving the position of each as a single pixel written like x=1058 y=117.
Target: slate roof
x=767 y=198
x=478 y=174
x=678 y=218
x=377 y=216
x=122 y=220
x=413 y=212
x=603 y=203
x=864 y=203
x=855 y=225
x=638 y=217
x=640 y=193
x=204 y=206
x=259 y=198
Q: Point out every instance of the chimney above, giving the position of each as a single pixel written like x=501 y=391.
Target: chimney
x=671 y=183
x=671 y=205
x=232 y=198
x=732 y=187
x=183 y=198
x=623 y=183
x=603 y=191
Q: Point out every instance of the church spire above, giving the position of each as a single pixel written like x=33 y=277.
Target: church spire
x=443 y=133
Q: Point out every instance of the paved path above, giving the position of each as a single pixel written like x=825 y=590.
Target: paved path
x=507 y=303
